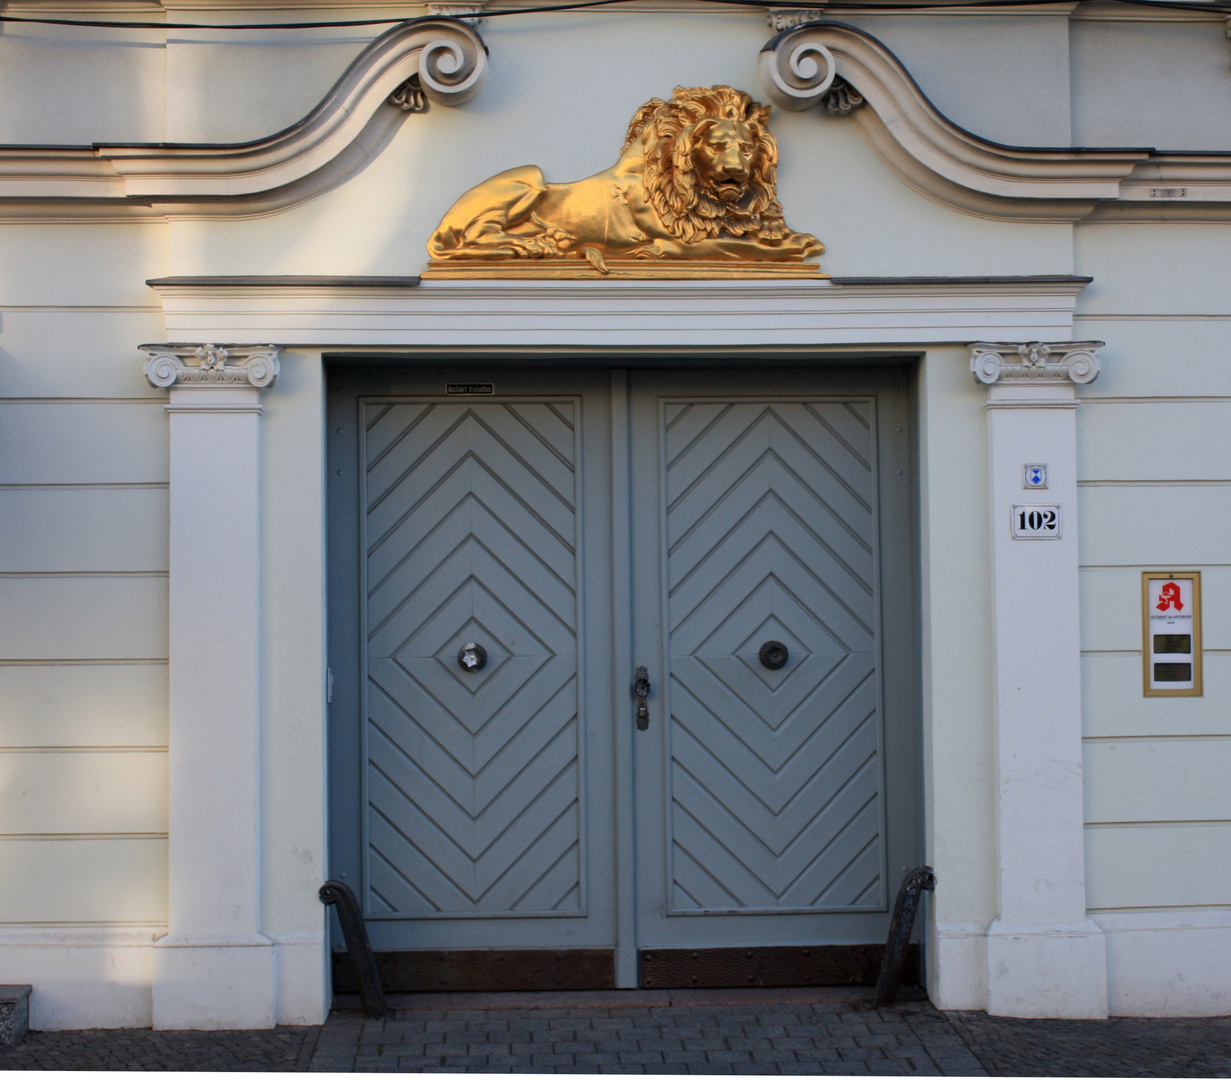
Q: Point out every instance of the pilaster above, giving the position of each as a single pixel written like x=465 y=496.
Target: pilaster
x=1045 y=958
x=215 y=968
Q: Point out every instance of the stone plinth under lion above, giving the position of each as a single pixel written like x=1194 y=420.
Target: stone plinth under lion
x=693 y=195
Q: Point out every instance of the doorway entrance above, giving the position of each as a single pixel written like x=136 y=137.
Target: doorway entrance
x=623 y=665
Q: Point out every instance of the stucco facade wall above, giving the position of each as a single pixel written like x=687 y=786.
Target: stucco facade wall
x=84 y=454
x=1153 y=494
x=83 y=568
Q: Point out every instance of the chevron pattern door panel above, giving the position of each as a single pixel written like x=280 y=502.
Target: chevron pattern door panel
x=775 y=775
x=472 y=776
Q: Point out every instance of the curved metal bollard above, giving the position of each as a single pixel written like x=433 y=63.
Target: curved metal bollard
x=893 y=963
x=357 y=947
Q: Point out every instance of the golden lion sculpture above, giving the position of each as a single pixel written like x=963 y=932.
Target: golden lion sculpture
x=693 y=194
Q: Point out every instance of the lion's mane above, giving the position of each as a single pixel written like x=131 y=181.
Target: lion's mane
x=669 y=132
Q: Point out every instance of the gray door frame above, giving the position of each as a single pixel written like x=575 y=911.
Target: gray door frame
x=344 y=577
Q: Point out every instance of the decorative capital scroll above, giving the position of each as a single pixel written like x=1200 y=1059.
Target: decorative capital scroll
x=210 y=365
x=1035 y=361
x=796 y=71
x=842 y=98
x=469 y=13
x=799 y=71
x=787 y=18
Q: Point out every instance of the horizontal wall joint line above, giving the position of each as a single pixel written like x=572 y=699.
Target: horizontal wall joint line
x=161 y=400
x=1156 y=399
x=1192 y=823
x=152 y=485
x=84 y=749
x=1177 y=566
x=1161 y=737
x=55 y=574
x=85 y=309
x=91 y=661
x=1153 y=483
x=26 y=837
x=1118 y=316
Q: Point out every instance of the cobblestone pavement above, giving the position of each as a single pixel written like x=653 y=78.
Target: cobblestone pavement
x=804 y=1033
x=287 y=1049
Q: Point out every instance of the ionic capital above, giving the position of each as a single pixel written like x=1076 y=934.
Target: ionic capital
x=239 y=366
x=1035 y=362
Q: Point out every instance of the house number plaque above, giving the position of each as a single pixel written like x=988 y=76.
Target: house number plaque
x=1036 y=523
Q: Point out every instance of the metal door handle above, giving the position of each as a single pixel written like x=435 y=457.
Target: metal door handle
x=472 y=657
x=641 y=688
x=774 y=655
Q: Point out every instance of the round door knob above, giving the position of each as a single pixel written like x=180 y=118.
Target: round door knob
x=774 y=655
x=472 y=657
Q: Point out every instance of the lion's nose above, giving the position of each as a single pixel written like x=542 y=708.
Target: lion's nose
x=732 y=166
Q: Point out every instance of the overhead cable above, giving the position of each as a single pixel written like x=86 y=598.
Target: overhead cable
x=1220 y=7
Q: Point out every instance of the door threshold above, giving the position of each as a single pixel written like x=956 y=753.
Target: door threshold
x=625 y=999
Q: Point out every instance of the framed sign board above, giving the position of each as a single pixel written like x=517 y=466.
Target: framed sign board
x=1171 y=633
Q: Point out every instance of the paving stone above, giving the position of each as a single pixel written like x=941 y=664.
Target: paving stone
x=553 y=1059
x=660 y=1044
x=861 y=1053
x=792 y=1042
x=598 y=1058
x=731 y=1056
x=683 y=1057
x=465 y=1060
x=618 y=1046
x=821 y=1052
x=445 y=1025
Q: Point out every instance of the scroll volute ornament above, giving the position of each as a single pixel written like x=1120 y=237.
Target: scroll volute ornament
x=692 y=196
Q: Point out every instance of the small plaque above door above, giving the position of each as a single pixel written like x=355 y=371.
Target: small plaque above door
x=469 y=388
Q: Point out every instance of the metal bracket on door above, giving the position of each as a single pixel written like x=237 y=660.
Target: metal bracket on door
x=641 y=688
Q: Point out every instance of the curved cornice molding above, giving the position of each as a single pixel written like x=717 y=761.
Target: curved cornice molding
x=800 y=66
x=443 y=59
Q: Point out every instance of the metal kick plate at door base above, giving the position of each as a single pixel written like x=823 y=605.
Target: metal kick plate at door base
x=641 y=688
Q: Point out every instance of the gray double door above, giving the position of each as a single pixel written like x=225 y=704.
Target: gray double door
x=503 y=562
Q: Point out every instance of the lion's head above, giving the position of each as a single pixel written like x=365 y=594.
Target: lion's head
x=710 y=164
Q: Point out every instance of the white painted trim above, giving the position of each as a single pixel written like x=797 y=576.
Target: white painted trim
x=80 y=936
x=957 y=965
x=503 y=315
x=1045 y=958
x=81 y=979
x=214 y=968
